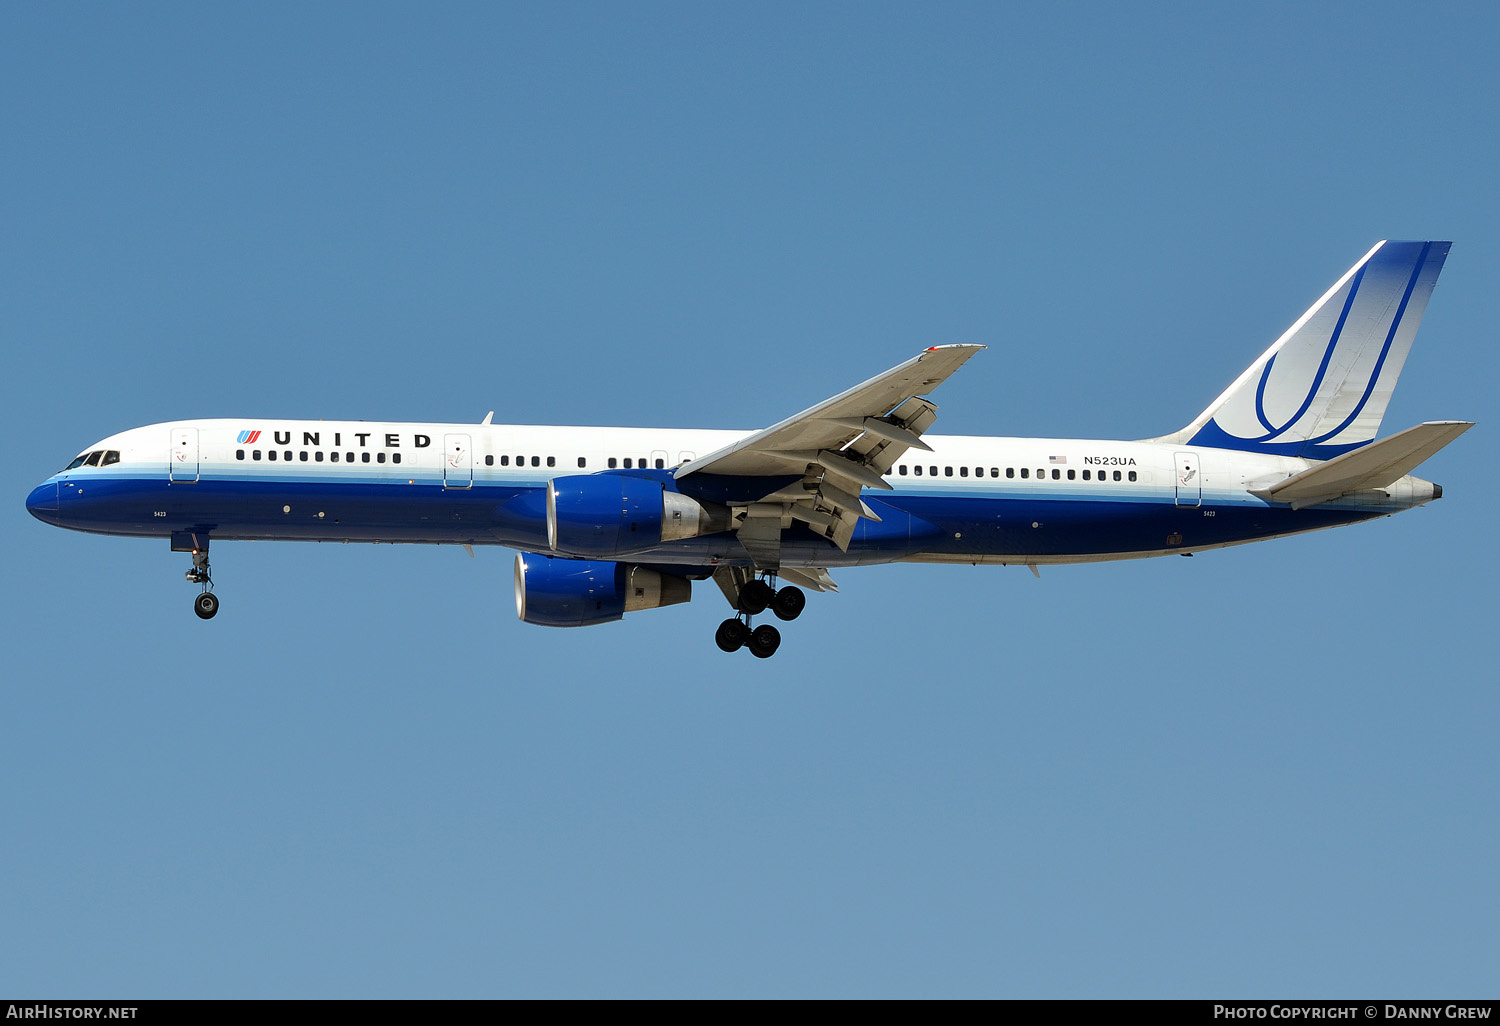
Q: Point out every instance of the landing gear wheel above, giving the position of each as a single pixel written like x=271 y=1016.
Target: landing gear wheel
x=732 y=635
x=755 y=596
x=206 y=605
x=788 y=603
x=764 y=641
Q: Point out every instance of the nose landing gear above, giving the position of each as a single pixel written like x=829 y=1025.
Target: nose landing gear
x=206 y=604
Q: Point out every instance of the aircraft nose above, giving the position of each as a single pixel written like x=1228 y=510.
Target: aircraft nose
x=42 y=502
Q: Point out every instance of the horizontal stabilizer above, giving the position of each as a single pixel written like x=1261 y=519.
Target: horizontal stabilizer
x=1375 y=465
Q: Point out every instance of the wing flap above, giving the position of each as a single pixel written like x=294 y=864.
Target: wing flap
x=813 y=578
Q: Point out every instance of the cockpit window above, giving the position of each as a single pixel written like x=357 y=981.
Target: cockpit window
x=97 y=458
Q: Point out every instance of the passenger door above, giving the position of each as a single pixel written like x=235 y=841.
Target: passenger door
x=1189 y=481
x=182 y=458
x=458 y=462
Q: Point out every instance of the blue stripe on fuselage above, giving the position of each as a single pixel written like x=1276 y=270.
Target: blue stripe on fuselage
x=942 y=520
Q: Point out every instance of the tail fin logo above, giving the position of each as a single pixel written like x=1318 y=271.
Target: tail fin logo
x=248 y=437
x=1323 y=387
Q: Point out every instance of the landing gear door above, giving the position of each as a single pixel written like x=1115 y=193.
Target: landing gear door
x=182 y=459
x=458 y=462
x=1189 y=481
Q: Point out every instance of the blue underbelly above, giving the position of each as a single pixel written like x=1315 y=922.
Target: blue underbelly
x=514 y=515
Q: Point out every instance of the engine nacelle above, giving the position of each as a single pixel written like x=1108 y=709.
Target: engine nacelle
x=611 y=515
x=557 y=592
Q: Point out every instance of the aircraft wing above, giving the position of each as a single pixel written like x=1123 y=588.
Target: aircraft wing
x=840 y=446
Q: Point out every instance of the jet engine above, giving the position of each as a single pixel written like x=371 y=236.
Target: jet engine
x=609 y=515
x=557 y=592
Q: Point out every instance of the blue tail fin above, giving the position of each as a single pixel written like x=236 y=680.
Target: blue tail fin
x=1323 y=387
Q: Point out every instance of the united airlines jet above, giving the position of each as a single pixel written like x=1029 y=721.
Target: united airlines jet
x=613 y=520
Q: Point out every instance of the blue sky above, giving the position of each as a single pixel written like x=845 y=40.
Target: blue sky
x=1268 y=771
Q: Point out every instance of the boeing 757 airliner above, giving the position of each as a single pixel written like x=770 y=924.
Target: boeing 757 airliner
x=613 y=520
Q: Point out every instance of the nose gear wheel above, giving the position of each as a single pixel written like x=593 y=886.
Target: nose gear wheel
x=206 y=603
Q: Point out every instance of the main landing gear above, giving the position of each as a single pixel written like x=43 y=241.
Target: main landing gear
x=207 y=603
x=757 y=595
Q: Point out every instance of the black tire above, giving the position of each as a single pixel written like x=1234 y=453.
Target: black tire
x=732 y=635
x=764 y=641
x=206 y=605
x=755 y=596
x=789 y=603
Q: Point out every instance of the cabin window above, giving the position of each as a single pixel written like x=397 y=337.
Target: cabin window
x=932 y=471
x=1085 y=475
x=287 y=455
x=660 y=463
x=255 y=454
x=551 y=461
x=901 y=470
x=348 y=457
x=302 y=455
x=1117 y=475
x=1010 y=471
x=1132 y=475
x=629 y=463
x=271 y=455
x=612 y=463
x=582 y=463
x=239 y=454
x=489 y=461
x=1056 y=474
x=318 y=456
x=1025 y=472
x=379 y=457
x=395 y=457
x=963 y=471
x=333 y=457
x=364 y=457
x=918 y=469
x=1072 y=474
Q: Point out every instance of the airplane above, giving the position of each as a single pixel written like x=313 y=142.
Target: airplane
x=609 y=521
